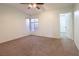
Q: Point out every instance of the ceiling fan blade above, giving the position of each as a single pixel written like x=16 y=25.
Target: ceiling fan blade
x=38 y=7
x=40 y=3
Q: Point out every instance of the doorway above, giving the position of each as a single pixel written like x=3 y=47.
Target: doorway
x=66 y=25
x=63 y=25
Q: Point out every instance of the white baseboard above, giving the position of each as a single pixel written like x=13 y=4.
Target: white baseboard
x=2 y=41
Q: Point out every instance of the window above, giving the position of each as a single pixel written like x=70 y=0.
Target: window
x=32 y=24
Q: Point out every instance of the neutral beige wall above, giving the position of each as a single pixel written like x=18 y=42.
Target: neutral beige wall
x=12 y=23
x=49 y=23
x=76 y=25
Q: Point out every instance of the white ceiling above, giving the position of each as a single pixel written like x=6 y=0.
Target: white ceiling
x=46 y=6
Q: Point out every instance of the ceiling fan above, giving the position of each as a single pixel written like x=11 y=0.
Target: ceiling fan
x=34 y=5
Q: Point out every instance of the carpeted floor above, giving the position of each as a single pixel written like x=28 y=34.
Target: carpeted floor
x=38 y=46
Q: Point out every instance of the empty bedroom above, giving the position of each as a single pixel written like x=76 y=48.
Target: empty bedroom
x=39 y=29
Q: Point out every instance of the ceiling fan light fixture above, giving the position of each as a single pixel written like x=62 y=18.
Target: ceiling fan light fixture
x=30 y=5
x=34 y=5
